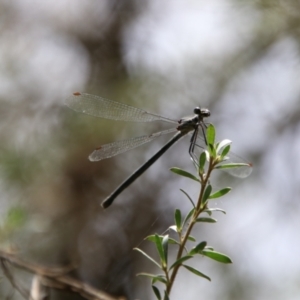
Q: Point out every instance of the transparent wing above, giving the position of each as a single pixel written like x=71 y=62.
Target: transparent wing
x=115 y=148
x=104 y=108
x=241 y=172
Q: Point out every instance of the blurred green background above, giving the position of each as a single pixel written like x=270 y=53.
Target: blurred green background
x=240 y=59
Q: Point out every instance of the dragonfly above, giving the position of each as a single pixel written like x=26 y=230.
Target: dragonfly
x=108 y=109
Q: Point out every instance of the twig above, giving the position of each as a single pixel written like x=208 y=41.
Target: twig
x=9 y=276
x=52 y=278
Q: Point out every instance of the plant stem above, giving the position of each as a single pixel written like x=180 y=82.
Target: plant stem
x=198 y=211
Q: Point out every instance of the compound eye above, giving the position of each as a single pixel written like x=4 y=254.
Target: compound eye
x=197 y=110
x=205 y=112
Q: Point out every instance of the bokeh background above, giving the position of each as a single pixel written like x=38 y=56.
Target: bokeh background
x=240 y=59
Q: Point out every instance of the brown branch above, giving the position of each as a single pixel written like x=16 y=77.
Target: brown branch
x=10 y=277
x=56 y=278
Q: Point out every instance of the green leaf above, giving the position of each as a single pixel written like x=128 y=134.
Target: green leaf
x=220 y=257
x=180 y=261
x=184 y=173
x=206 y=195
x=198 y=248
x=220 y=193
x=160 y=249
x=223 y=144
x=147 y=256
x=188 y=197
x=173 y=227
x=196 y=272
x=212 y=151
x=202 y=161
x=172 y=241
x=210 y=134
x=215 y=209
x=191 y=238
x=159 y=278
x=207 y=220
x=225 y=151
x=207 y=154
x=156 y=292
x=166 y=297
x=188 y=216
x=178 y=219
x=209 y=248
x=208 y=212
x=154 y=277
x=232 y=165
x=151 y=238
x=165 y=243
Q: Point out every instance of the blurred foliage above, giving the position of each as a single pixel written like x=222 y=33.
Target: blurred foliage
x=19 y=168
x=13 y=221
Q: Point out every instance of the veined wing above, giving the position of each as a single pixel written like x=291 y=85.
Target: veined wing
x=108 y=109
x=242 y=171
x=115 y=148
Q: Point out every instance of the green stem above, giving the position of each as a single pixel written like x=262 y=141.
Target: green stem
x=197 y=212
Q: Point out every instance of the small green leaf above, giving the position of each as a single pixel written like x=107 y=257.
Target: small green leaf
x=166 y=297
x=210 y=134
x=174 y=242
x=180 y=261
x=160 y=249
x=225 y=151
x=198 y=248
x=220 y=257
x=150 y=238
x=178 y=219
x=209 y=248
x=207 y=220
x=206 y=195
x=232 y=165
x=159 y=278
x=188 y=216
x=147 y=256
x=184 y=173
x=154 y=277
x=220 y=193
x=212 y=150
x=209 y=210
x=196 y=272
x=191 y=238
x=207 y=154
x=202 y=161
x=188 y=197
x=165 y=243
x=156 y=292
x=223 y=144
x=173 y=227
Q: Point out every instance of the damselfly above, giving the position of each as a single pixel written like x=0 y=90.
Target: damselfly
x=103 y=108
